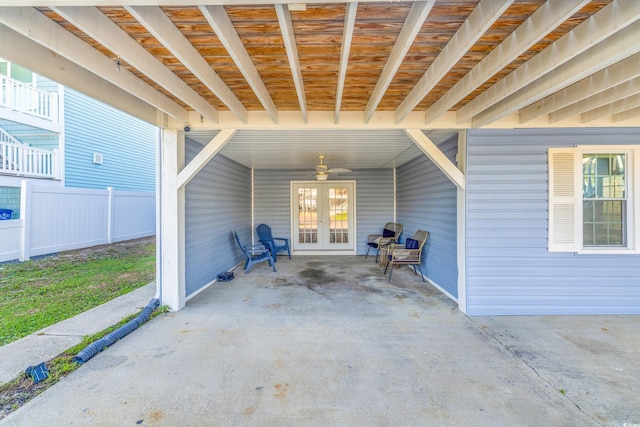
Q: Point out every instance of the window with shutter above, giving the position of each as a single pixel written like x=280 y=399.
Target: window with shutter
x=591 y=204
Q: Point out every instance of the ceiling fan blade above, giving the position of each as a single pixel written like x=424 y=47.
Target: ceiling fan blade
x=339 y=170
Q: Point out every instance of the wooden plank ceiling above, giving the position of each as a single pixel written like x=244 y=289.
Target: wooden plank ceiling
x=408 y=65
x=430 y=64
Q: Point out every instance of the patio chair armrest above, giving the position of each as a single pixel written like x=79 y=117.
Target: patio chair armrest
x=373 y=237
x=405 y=255
x=256 y=249
x=284 y=239
x=386 y=241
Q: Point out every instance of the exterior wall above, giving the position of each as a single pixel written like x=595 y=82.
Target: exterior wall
x=427 y=200
x=126 y=143
x=218 y=201
x=374 y=201
x=509 y=270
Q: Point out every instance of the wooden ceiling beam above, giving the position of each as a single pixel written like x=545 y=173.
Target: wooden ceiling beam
x=632 y=113
x=29 y=53
x=474 y=27
x=564 y=103
x=606 y=53
x=412 y=25
x=620 y=106
x=600 y=99
x=161 y=27
x=347 y=35
x=608 y=20
x=286 y=27
x=219 y=21
x=613 y=94
x=93 y=23
x=34 y=25
x=544 y=20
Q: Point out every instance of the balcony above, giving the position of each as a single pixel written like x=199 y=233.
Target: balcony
x=21 y=159
x=27 y=104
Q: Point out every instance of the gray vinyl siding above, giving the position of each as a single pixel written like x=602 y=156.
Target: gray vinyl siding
x=426 y=200
x=509 y=269
x=374 y=200
x=218 y=201
x=374 y=207
x=127 y=144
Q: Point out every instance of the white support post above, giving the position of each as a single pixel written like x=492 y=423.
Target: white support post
x=109 y=215
x=461 y=211
x=172 y=281
x=25 y=213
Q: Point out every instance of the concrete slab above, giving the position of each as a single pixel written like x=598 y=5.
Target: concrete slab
x=327 y=341
x=53 y=340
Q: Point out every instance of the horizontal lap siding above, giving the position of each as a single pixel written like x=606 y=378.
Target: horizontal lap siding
x=427 y=201
x=128 y=146
x=509 y=269
x=218 y=201
x=374 y=200
x=374 y=206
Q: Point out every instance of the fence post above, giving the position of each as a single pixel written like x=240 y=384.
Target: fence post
x=26 y=191
x=110 y=215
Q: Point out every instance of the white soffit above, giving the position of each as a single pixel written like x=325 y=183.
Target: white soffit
x=299 y=149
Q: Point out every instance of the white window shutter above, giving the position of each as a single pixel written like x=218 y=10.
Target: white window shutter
x=563 y=200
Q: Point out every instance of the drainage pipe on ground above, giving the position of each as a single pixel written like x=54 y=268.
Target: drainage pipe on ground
x=97 y=346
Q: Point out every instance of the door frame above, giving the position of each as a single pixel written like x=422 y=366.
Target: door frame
x=293 y=205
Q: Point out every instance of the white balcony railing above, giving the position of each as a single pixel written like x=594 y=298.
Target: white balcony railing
x=21 y=159
x=27 y=99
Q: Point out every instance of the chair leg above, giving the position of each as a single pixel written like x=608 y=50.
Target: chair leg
x=367 y=254
x=419 y=268
x=386 y=266
x=390 y=273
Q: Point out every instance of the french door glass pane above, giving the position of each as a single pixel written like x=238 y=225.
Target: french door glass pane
x=338 y=215
x=307 y=215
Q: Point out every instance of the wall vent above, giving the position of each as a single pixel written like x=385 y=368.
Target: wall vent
x=97 y=158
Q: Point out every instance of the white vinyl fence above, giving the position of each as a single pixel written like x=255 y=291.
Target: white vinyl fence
x=61 y=219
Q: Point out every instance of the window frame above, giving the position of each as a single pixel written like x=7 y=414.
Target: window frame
x=632 y=220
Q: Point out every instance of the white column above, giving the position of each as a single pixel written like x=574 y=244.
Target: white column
x=172 y=228
x=461 y=210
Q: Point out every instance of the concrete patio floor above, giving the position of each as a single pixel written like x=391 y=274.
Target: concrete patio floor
x=326 y=341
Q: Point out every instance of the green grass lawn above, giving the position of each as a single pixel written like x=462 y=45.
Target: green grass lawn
x=36 y=294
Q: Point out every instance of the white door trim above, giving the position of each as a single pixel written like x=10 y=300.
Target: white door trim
x=352 y=213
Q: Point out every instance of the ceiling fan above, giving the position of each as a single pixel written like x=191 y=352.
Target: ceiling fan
x=323 y=171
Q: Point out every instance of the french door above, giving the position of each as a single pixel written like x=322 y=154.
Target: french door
x=323 y=216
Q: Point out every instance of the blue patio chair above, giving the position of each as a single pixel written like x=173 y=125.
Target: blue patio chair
x=255 y=254
x=273 y=243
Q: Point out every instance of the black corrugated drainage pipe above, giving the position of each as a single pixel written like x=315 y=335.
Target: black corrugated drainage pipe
x=97 y=346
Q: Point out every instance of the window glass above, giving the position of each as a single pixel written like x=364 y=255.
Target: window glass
x=604 y=199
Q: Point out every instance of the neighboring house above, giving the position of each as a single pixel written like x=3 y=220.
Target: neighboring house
x=79 y=142
x=55 y=137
